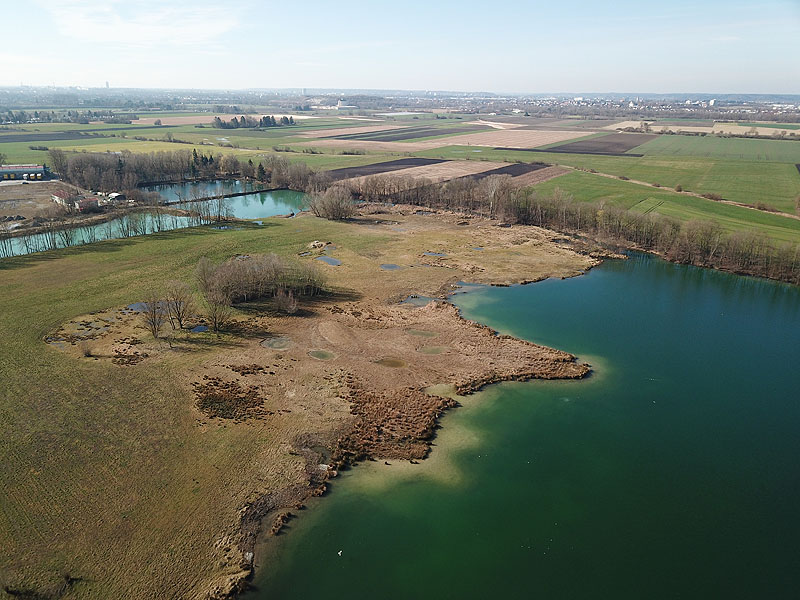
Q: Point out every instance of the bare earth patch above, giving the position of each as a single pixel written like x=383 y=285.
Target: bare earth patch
x=539 y=176
x=443 y=171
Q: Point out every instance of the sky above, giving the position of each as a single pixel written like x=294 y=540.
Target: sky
x=706 y=46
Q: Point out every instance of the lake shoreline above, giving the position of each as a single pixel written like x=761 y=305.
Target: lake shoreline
x=264 y=519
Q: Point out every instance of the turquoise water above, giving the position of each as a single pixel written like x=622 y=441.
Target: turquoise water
x=257 y=205
x=671 y=473
x=128 y=226
x=183 y=192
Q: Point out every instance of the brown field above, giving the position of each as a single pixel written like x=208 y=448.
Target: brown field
x=614 y=144
x=378 y=147
x=443 y=171
x=539 y=176
x=383 y=167
x=514 y=169
x=512 y=138
x=508 y=138
x=731 y=128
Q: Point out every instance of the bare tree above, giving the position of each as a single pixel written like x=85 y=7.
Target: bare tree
x=335 y=204
x=154 y=313
x=219 y=309
x=285 y=301
x=179 y=303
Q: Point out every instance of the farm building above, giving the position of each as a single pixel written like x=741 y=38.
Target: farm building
x=29 y=172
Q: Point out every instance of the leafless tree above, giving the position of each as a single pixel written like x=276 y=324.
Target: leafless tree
x=179 y=303
x=154 y=313
x=335 y=204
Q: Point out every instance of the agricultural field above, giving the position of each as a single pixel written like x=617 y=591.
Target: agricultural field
x=591 y=187
x=787 y=151
x=615 y=144
x=775 y=184
x=747 y=171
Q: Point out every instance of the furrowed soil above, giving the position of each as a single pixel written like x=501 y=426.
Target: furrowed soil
x=384 y=167
x=614 y=144
x=444 y=171
x=143 y=468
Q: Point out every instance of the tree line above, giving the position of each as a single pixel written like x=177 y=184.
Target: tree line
x=252 y=123
x=125 y=171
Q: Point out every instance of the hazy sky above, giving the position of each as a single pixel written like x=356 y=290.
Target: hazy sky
x=710 y=46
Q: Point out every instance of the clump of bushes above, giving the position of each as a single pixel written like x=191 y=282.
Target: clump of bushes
x=248 y=278
x=336 y=204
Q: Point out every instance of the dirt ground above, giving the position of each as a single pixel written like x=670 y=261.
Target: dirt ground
x=443 y=171
x=731 y=128
x=27 y=199
x=507 y=138
x=616 y=143
x=382 y=167
x=539 y=176
x=342 y=380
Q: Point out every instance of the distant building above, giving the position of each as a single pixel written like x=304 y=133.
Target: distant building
x=29 y=172
x=87 y=205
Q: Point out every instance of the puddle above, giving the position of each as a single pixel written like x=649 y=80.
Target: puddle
x=433 y=349
x=322 y=354
x=390 y=267
x=199 y=329
x=421 y=333
x=394 y=363
x=306 y=253
x=477 y=248
x=334 y=262
x=434 y=254
x=136 y=307
x=226 y=228
x=279 y=342
x=420 y=300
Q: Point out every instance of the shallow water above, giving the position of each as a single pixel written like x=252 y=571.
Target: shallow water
x=671 y=472
x=334 y=262
x=390 y=267
x=277 y=343
x=322 y=354
x=433 y=349
x=394 y=363
x=422 y=333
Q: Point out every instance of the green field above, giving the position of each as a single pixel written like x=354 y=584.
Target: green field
x=773 y=183
x=589 y=187
x=787 y=151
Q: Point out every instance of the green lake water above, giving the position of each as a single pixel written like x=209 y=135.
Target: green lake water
x=672 y=472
